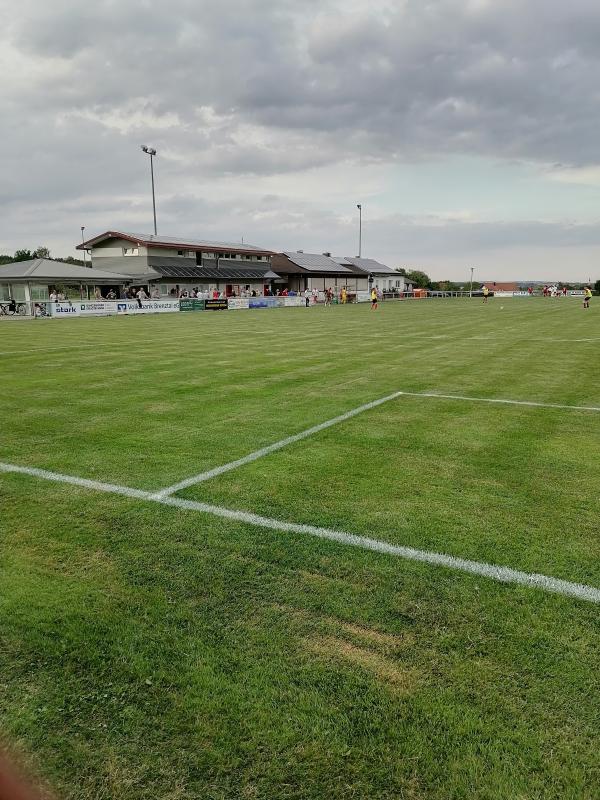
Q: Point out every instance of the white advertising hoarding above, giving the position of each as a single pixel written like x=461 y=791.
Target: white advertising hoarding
x=238 y=302
x=91 y=308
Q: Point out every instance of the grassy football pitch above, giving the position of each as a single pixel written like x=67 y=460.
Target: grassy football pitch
x=154 y=649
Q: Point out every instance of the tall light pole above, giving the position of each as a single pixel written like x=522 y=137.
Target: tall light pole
x=83 y=242
x=471 y=291
x=359 y=206
x=151 y=152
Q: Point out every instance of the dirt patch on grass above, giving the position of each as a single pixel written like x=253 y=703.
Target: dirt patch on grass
x=160 y=408
x=396 y=676
x=365 y=635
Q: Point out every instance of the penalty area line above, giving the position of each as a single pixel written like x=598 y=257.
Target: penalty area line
x=501 y=574
x=271 y=448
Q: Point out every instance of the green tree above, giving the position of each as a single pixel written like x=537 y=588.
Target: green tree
x=22 y=255
x=419 y=279
x=41 y=252
x=597 y=287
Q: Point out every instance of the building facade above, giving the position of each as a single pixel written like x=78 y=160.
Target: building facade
x=170 y=266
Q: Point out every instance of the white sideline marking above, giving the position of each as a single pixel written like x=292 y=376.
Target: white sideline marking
x=271 y=448
x=265 y=451
x=492 y=571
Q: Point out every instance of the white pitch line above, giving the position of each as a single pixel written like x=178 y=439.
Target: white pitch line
x=271 y=448
x=500 y=401
x=265 y=451
x=497 y=573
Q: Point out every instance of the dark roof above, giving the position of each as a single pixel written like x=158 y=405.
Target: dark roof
x=48 y=269
x=173 y=268
x=369 y=265
x=174 y=242
x=315 y=262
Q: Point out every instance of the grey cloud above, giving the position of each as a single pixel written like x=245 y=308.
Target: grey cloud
x=265 y=87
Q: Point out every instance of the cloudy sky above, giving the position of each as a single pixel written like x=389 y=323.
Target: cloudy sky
x=468 y=129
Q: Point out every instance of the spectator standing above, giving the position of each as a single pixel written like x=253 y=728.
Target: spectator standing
x=141 y=295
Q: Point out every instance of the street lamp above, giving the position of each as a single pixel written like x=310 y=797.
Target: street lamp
x=151 y=152
x=359 y=206
x=83 y=242
x=471 y=291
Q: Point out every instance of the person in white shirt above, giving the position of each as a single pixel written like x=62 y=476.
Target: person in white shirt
x=53 y=297
x=307 y=297
x=141 y=295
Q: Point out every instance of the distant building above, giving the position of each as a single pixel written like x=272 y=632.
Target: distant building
x=176 y=264
x=498 y=286
x=322 y=271
x=384 y=278
x=317 y=271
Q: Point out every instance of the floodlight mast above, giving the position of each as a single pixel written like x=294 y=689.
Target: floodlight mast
x=151 y=152
x=359 y=206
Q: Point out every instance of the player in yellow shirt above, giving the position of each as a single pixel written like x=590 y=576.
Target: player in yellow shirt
x=374 y=299
x=486 y=294
x=587 y=294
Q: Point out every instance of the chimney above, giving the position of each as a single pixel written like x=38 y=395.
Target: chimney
x=327 y=254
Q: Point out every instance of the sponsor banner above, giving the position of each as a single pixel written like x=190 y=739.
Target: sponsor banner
x=504 y=294
x=238 y=302
x=65 y=310
x=293 y=301
x=363 y=296
x=216 y=305
x=264 y=302
x=148 y=306
x=189 y=304
x=91 y=308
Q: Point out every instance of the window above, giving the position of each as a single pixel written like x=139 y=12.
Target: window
x=4 y=291
x=38 y=292
x=131 y=251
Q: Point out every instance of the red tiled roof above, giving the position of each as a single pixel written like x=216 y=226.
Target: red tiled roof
x=498 y=286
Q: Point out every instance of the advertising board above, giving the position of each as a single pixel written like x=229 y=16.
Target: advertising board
x=216 y=305
x=263 y=302
x=189 y=304
x=238 y=302
x=294 y=301
x=91 y=308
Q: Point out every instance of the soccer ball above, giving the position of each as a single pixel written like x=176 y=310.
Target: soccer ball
x=501 y=307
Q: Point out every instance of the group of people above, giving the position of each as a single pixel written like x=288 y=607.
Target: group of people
x=553 y=291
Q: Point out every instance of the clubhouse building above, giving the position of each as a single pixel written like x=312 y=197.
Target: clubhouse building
x=173 y=265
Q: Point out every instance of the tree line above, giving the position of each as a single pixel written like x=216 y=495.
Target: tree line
x=39 y=252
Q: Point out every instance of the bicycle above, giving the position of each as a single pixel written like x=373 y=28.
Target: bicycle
x=10 y=309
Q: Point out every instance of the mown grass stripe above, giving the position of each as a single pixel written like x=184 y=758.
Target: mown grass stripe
x=494 y=572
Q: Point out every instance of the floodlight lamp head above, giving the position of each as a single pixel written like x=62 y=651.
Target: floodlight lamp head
x=359 y=206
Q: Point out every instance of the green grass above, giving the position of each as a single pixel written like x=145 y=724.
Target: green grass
x=150 y=652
